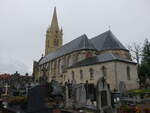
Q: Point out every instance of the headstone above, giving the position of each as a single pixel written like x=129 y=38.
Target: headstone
x=147 y=82
x=122 y=87
x=36 y=100
x=80 y=97
x=56 y=88
x=77 y=95
x=103 y=97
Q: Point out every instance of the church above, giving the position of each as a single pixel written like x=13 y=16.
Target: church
x=85 y=59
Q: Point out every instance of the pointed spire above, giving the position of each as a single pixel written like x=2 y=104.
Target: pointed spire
x=54 y=23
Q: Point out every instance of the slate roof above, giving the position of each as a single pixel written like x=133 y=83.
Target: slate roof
x=80 y=43
x=106 y=57
x=106 y=41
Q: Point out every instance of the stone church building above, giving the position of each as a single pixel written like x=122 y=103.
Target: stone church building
x=85 y=59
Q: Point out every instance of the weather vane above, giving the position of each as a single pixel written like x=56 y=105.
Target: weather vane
x=54 y=3
x=109 y=27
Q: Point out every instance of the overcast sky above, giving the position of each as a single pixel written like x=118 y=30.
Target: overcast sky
x=23 y=24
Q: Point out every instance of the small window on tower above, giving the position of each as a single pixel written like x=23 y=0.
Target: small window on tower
x=56 y=31
x=56 y=42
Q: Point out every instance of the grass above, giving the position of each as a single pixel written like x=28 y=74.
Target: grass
x=139 y=91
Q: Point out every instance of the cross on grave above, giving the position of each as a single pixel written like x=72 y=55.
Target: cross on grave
x=103 y=97
x=6 y=89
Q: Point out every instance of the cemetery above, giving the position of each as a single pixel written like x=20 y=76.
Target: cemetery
x=72 y=98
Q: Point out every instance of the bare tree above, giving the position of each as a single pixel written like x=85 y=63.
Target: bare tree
x=135 y=51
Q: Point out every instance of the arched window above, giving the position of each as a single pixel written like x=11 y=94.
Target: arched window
x=65 y=61
x=55 y=42
x=81 y=75
x=59 y=66
x=91 y=73
x=73 y=78
x=56 y=31
x=104 y=71
x=68 y=61
x=128 y=73
x=55 y=66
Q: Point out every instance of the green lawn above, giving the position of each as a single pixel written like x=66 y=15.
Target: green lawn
x=139 y=91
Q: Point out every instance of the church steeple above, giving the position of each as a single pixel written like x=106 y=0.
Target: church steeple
x=54 y=23
x=53 y=35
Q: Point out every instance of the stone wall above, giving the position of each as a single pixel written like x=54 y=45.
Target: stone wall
x=58 y=67
x=122 y=74
x=115 y=72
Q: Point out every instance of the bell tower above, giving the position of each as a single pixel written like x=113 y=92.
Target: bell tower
x=53 y=35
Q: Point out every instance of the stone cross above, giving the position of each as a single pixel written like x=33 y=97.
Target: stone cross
x=6 y=89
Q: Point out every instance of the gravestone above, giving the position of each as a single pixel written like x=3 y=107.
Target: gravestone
x=56 y=87
x=80 y=95
x=36 y=100
x=122 y=88
x=103 y=97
